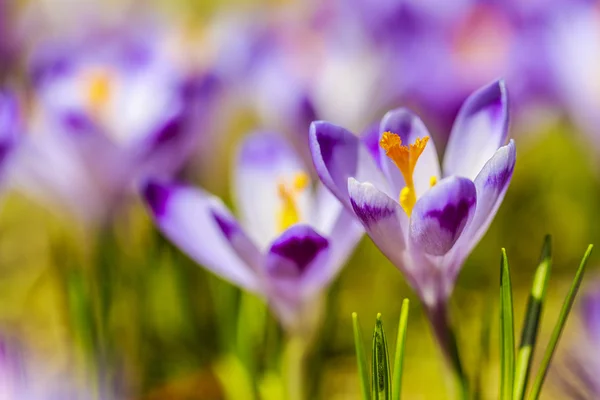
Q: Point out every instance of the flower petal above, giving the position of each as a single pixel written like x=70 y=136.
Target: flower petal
x=409 y=127
x=491 y=184
x=383 y=218
x=263 y=161
x=481 y=127
x=200 y=225
x=10 y=126
x=440 y=216
x=590 y=307
x=296 y=258
x=339 y=155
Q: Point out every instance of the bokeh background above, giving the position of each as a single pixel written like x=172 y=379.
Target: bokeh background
x=88 y=293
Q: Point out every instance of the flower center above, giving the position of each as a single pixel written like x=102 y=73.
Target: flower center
x=99 y=88
x=289 y=213
x=405 y=158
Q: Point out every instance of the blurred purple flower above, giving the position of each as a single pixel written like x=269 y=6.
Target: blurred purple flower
x=110 y=109
x=575 y=39
x=424 y=218
x=25 y=377
x=10 y=129
x=289 y=242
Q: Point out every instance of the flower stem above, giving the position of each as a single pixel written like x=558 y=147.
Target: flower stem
x=446 y=338
x=294 y=367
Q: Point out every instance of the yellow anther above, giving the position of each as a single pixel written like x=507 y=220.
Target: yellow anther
x=432 y=181
x=289 y=213
x=99 y=89
x=405 y=158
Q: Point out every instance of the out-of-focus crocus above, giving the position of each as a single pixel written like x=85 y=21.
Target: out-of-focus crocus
x=10 y=129
x=109 y=109
x=23 y=376
x=290 y=240
x=424 y=218
x=574 y=38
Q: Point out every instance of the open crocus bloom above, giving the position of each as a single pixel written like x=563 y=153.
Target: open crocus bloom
x=109 y=109
x=289 y=242
x=424 y=218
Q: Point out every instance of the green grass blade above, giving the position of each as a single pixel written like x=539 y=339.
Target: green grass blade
x=507 y=333
x=399 y=356
x=361 y=359
x=533 y=315
x=558 y=328
x=380 y=386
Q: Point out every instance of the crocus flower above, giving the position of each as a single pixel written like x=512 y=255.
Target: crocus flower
x=424 y=217
x=109 y=109
x=290 y=241
x=26 y=376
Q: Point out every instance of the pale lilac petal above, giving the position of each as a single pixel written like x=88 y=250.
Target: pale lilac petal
x=200 y=225
x=440 y=216
x=383 y=218
x=370 y=138
x=338 y=224
x=481 y=127
x=409 y=127
x=590 y=307
x=491 y=184
x=339 y=155
x=263 y=161
x=10 y=126
x=295 y=259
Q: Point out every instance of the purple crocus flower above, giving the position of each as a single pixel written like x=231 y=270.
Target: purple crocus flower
x=110 y=109
x=290 y=241
x=425 y=218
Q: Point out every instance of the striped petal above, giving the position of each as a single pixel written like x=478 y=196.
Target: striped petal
x=339 y=155
x=201 y=226
x=440 y=216
x=481 y=127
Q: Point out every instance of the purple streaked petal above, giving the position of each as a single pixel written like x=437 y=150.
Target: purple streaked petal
x=440 y=216
x=491 y=184
x=383 y=218
x=263 y=161
x=481 y=127
x=338 y=155
x=296 y=259
x=409 y=127
x=202 y=227
x=590 y=308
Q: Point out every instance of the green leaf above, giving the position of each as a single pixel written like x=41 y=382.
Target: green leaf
x=558 y=328
x=399 y=357
x=361 y=359
x=380 y=377
x=533 y=315
x=507 y=333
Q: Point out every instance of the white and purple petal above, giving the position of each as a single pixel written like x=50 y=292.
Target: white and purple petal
x=202 y=227
x=491 y=184
x=338 y=155
x=265 y=160
x=440 y=216
x=383 y=218
x=409 y=127
x=481 y=127
x=296 y=261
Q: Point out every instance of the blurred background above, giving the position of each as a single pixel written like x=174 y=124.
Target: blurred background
x=94 y=300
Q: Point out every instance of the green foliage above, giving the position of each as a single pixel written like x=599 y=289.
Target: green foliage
x=382 y=386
